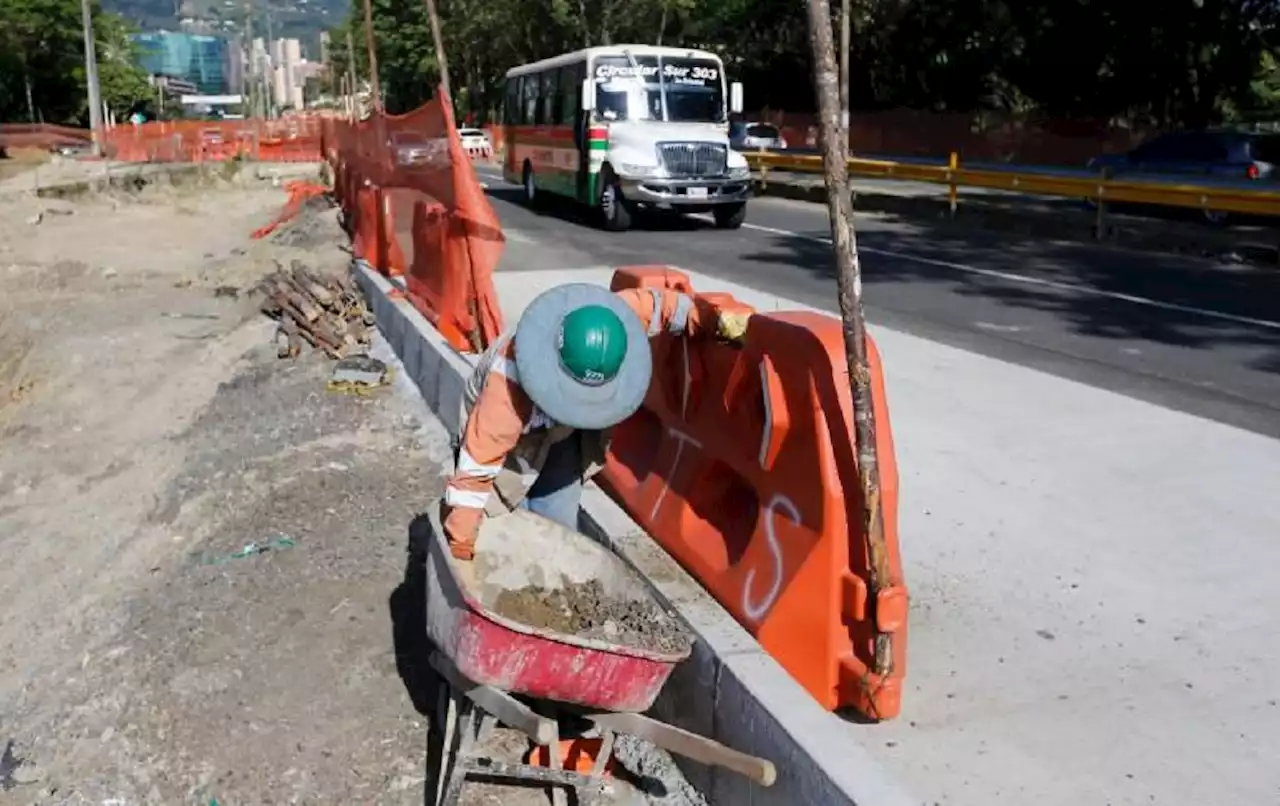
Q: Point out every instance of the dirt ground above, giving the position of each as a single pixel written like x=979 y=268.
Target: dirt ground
x=20 y=160
x=148 y=434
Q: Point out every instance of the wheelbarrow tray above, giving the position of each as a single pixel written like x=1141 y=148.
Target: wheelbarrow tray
x=522 y=549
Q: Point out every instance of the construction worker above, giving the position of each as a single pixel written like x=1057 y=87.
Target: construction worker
x=541 y=402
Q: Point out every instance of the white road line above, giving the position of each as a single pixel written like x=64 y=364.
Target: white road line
x=1020 y=278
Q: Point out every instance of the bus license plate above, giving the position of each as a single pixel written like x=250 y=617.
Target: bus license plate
x=697 y=193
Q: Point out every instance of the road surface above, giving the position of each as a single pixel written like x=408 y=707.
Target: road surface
x=1194 y=335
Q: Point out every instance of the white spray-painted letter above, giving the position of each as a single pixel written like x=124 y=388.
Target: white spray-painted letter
x=756 y=609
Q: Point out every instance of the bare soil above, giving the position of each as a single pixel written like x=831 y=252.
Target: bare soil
x=585 y=611
x=151 y=443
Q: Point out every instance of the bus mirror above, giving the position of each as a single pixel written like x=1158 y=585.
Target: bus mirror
x=735 y=97
x=588 y=95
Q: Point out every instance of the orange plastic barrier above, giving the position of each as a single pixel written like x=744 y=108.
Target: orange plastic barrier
x=741 y=465
x=417 y=173
x=299 y=193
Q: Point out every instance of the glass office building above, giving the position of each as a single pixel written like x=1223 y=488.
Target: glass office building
x=203 y=60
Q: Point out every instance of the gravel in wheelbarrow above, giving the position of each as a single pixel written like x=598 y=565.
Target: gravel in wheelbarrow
x=533 y=571
x=547 y=612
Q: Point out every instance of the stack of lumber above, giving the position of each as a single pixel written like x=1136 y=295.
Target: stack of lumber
x=327 y=312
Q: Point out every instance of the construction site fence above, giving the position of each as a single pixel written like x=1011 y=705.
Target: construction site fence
x=1100 y=189
x=414 y=208
x=292 y=139
x=41 y=135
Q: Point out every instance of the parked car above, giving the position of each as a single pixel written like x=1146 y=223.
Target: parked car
x=1217 y=155
x=746 y=135
x=476 y=142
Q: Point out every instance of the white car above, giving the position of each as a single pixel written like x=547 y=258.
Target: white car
x=476 y=142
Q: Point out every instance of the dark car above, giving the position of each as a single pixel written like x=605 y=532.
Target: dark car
x=747 y=135
x=1222 y=155
x=1217 y=155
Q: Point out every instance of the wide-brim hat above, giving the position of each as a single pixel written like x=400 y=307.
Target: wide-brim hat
x=551 y=388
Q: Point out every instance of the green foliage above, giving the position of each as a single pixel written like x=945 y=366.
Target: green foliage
x=42 y=51
x=1188 y=62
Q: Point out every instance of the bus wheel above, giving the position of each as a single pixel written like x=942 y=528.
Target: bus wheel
x=530 y=189
x=730 y=216
x=613 y=207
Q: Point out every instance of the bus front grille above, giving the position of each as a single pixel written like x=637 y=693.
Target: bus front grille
x=693 y=159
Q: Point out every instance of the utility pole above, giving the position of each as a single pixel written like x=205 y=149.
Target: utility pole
x=853 y=322
x=91 y=78
x=844 y=76
x=269 y=76
x=351 y=74
x=444 y=63
x=251 y=85
x=373 y=57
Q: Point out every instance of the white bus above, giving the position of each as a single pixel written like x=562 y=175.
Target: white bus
x=625 y=128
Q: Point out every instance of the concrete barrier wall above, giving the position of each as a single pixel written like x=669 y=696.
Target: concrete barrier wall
x=729 y=689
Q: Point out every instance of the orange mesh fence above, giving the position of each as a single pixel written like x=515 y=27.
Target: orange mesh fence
x=292 y=139
x=414 y=207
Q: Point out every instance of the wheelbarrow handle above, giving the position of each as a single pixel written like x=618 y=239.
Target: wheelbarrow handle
x=690 y=745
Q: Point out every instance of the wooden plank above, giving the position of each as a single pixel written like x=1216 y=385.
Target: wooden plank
x=690 y=745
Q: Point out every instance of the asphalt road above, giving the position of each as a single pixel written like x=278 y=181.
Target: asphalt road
x=1188 y=334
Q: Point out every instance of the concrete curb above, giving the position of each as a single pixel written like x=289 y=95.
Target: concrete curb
x=1047 y=220
x=730 y=689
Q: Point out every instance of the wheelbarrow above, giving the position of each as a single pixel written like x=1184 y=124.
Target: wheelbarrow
x=540 y=681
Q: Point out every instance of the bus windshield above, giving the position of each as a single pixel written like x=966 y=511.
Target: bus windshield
x=677 y=90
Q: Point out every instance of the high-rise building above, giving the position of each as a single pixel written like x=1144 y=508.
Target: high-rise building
x=200 y=59
x=235 y=65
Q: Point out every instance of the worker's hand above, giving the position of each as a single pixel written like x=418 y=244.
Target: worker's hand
x=732 y=326
x=461 y=527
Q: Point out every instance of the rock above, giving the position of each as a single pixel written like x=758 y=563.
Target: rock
x=109 y=272
x=27 y=773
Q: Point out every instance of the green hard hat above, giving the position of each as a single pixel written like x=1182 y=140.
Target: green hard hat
x=593 y=344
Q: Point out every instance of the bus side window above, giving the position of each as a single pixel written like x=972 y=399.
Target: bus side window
x=530 y=93
x=547 y=105
x=570 y=89
x=512 y=110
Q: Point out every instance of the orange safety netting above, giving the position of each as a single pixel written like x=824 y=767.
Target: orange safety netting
x=414 y=207
x=299 y=193
x=291 y=139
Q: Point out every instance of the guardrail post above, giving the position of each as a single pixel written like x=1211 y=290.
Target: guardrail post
x=952 y=194
x=1100 y=216
x=764 y=170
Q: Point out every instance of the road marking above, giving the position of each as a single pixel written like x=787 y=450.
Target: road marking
x=1020 y=278
x=992 y=326
x=517 y=236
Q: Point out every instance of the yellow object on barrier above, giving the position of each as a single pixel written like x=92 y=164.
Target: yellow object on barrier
x=1168 y=194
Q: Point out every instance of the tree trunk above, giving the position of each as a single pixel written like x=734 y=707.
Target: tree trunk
x=844 y=75
x=374 y=89
x=439 y=41
x=849 y=283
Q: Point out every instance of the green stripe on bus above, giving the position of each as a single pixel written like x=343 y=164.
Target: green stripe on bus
x=598 y=145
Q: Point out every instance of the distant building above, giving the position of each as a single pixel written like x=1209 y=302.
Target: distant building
x=206 y=62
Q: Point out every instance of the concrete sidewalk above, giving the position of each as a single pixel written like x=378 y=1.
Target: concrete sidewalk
x=1094 y=615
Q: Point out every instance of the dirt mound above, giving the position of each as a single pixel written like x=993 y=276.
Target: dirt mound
x=310 y=228
x=585 y=611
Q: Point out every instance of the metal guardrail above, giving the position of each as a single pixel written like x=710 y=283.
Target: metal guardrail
x=1209 y=198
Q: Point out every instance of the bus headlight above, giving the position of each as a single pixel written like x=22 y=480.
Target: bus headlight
x=631 y=170
x=740 y=172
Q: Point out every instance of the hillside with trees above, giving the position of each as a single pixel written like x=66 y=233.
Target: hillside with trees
x=1184 y=63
